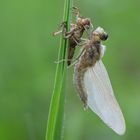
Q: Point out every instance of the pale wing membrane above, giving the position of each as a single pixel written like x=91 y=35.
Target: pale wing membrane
x=101 y=98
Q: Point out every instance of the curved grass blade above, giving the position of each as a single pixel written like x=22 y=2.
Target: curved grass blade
x=56 y=110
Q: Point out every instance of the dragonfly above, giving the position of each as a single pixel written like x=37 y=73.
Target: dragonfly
x=93 y=84
x=75 y=34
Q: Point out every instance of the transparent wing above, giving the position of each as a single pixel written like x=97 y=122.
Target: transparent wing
x=101 y=98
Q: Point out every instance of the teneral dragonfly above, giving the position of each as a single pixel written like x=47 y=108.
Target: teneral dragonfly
x=93 y=84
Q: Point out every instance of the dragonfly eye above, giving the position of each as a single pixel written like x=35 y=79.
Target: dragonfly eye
x=104 y=36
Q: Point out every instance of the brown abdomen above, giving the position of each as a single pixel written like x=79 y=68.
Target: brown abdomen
x=78 y=81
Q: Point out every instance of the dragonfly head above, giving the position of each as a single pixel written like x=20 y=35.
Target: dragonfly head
x=99 y=34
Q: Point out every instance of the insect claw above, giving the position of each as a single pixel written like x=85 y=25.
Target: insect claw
x=59 y=61
x=91 y=25
x=75 y=8
x=63 y=26
x=62 y=60
x=85 y=107
x=56 y=33
x=76 y=11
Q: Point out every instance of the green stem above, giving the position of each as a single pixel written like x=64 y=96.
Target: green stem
x=56 y=110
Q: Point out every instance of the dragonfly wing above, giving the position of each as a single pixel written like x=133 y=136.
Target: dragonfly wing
x=101 y=99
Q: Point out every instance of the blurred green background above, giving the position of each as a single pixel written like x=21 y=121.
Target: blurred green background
x=27 y=69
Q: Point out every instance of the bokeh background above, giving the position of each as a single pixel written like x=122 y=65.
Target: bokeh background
x=27 y=69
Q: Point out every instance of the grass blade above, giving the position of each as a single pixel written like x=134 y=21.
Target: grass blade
x=56 y=111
